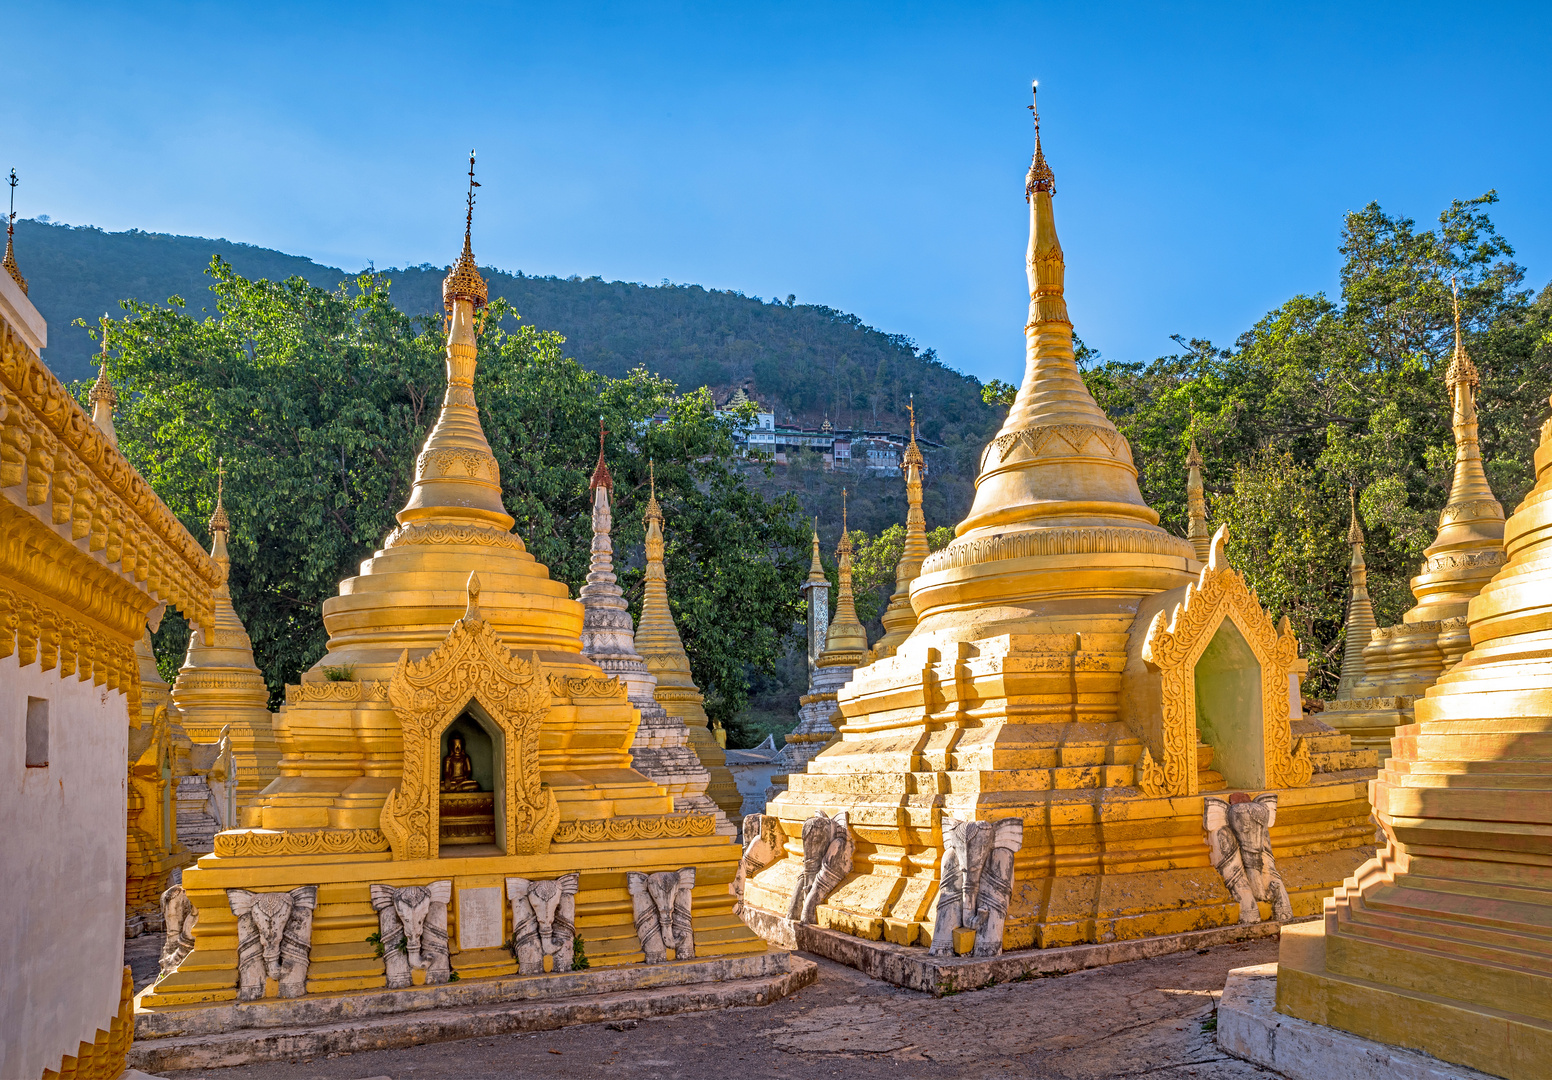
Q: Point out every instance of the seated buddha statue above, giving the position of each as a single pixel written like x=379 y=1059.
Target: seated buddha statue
x=457 y=769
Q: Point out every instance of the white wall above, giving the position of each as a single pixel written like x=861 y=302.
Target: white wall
x=62 y=860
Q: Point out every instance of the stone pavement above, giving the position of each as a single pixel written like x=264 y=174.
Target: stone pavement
x=1149 y=1018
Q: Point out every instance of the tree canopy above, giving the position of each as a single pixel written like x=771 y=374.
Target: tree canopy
x=317 y=402
x=1324 y=393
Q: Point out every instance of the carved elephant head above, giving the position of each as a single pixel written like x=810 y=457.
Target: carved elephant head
x=544 y=898
x=270 y=912
x=661 y=888
x=412 y=904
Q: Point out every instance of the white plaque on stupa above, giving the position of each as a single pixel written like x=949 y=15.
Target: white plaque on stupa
x=479 y=918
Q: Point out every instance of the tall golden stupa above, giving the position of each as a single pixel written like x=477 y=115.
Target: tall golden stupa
x=1078 y=668
x=1443 y=941
x=1399 y=662
x=453 y=738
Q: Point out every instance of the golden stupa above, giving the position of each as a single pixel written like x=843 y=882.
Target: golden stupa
x=899 y=617
x=1443 y=942
x=1397 y=663
x=658 y=642
x=453 y=738
x=1075 y=667
x=220 y=690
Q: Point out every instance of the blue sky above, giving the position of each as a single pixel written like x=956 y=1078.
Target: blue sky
x=869 y=157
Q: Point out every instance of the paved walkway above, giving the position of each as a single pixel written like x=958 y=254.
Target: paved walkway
x=1142 y=1019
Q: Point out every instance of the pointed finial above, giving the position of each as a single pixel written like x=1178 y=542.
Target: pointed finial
x=654 y=511
x=1193 y=458
x=1040 y=177
x=816 y=574
x=601 y=477
x=1354 y=530
x=1461 y=369
x=219 y=522
x=102 y=390
x=913 y=455
x=463 y=281
x=10 y=229
x=844 y=547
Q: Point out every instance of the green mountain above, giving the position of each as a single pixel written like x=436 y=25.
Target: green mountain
x=805 y=362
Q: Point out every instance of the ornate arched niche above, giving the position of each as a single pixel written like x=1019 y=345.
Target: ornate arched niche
x=470 y=676
x=1206 y=661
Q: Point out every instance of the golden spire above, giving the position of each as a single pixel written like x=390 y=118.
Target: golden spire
x=1359 y=622
x=1461 y=368
x=1462 y=380
x=899 y=617
x=463 y=281
x=219 y=522
x=601 y=477
x=103 y=397
x=1040 y=177
x=1196 y=507
x=846 y=632
x=1469 y=545
x=1058 y=462
x=9 y=262
x=654 y=511
x=657 y=638
x=816 y=574
x=457 y=480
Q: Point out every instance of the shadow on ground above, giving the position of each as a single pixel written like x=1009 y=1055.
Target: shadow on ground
x=1149 y=1018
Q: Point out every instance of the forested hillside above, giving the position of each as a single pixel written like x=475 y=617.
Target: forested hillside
x=804 y=361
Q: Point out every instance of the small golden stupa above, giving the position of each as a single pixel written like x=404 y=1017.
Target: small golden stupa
x=452 y=751
x=899 y=617
x=1399 y=662
x=658 y=642
x=1443 y=941
x=845 y=650
x=1077 y=668
x=219 y=687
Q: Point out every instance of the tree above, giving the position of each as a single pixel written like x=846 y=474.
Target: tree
x=318 y=402
x=1322 y=393
x=874 y=561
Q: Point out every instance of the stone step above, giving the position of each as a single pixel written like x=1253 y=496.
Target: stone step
x=352 y=1023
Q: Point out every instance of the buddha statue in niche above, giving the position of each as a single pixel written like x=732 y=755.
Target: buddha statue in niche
x=457 y=768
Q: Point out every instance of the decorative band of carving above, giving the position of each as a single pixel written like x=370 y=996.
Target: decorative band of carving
x=465 y=463
x=1476 y=508
x=1093 y=540
x=644 y=827
x=229 y=639
x=256 y=843
x=1370 y=704
x=586 y=687
x=1406 y=630
x=198 y=679
x=452 y=534
x=1076 y=438
x=366 y=690
x=1467 y=561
